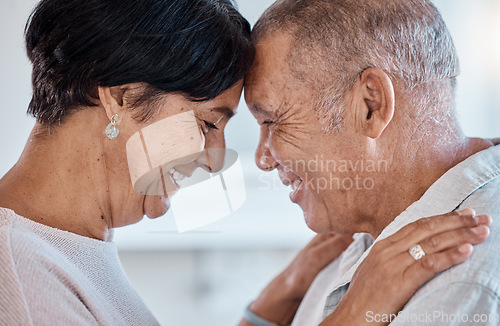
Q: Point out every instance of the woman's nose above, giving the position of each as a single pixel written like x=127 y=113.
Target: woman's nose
x=212 y=158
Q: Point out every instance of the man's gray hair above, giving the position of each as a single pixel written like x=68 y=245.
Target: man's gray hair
x=336 y=40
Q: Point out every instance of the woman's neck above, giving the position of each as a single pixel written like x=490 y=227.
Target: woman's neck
x=60 y=181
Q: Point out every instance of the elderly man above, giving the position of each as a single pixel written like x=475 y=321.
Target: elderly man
x=355 y=100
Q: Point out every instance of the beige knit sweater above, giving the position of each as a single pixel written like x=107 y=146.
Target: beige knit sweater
x=53 y=277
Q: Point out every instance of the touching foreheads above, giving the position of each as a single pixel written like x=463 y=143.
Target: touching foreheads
x=336 y=40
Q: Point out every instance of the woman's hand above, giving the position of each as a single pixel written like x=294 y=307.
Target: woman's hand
x=390 y=276
x=279 y=301
x=495 y=141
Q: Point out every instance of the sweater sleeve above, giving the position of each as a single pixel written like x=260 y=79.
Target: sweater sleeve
x=13 y=306
x=51 y=277
x=34 y=290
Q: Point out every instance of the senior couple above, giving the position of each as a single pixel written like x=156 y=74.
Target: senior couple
x=358 y=81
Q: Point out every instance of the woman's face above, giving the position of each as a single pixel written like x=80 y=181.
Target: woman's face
x=177 y=138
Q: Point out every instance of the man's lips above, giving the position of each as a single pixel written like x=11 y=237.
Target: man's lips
x=296 y=184
x=289 y=178
x=286 y=177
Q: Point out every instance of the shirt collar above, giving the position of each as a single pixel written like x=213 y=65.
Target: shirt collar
x=444 y=196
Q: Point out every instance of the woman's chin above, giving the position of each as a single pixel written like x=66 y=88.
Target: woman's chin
x=156 y=206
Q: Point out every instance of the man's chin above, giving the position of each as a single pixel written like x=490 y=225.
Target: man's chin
x=315 y=225
x=317 y=220
x=156 y=206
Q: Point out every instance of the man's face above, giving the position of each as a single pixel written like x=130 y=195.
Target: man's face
x=320 y=167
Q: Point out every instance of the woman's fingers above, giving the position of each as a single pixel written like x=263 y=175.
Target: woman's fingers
x=426 y=268
x=454 y=238
x=460 y=229
x=438 y=223
x=320 y=251
x=442 y=251
x=318 y=239
x=331 y=248
x=292 y=284
x=484 y=219
x=417 y=231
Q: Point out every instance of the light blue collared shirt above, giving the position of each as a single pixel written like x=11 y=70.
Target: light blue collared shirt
x=467 y=294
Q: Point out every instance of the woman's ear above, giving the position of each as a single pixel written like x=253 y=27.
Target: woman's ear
x=112 y=99
x=375 y=100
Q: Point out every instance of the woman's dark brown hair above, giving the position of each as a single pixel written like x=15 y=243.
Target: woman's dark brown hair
x=199 y=48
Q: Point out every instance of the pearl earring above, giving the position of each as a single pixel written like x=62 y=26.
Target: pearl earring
x=111 y=130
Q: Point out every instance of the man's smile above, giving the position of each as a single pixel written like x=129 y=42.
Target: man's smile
x=289 y=178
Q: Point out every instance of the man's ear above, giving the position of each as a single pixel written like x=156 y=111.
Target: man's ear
x=112 y=99
x=374 y=107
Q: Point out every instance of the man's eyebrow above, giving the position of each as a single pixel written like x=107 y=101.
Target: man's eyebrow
x=259 y=110
x=227 y=112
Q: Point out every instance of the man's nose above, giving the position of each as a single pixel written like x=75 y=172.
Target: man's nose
x=263 y=157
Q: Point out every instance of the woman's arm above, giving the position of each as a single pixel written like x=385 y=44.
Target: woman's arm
x=279 y=301
x=495 y=141
x=386 y=279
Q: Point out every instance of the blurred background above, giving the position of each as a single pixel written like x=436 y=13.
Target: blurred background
x=208 y=276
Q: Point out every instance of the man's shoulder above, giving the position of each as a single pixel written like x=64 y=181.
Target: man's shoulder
x=481 y=269
x=484 y=260
x=486 y=199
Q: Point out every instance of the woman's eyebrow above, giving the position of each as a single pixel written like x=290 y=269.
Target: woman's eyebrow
x=227 y=112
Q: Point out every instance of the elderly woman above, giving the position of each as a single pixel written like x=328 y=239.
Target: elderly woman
x=103 y=71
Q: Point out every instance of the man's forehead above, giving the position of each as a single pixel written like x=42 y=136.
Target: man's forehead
x=273 y=51
x=270 y=68
x=270 y=86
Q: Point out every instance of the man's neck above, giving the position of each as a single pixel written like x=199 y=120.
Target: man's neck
x=417 y=172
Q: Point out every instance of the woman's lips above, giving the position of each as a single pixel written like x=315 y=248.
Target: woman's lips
x=176 y=176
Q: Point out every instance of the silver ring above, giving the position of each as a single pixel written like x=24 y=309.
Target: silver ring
x=416 y=252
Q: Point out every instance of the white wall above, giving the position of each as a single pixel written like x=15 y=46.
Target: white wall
x=209 y=288
x=475 y=28
x=15 y=85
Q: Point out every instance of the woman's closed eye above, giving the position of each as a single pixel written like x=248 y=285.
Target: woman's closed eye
x=210 y=125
